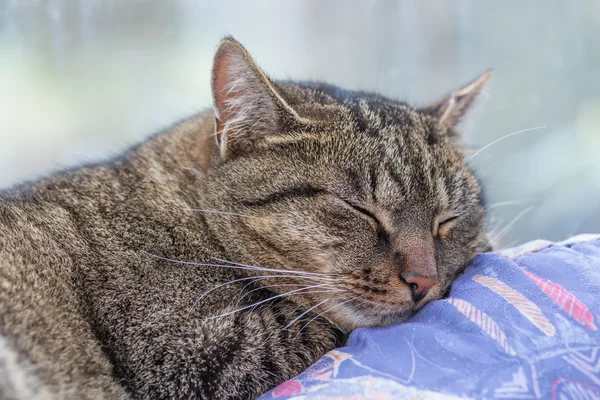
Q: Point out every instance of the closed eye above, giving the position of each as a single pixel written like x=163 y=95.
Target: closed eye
x=445 y=225
x=381 y=233
x=448 y=220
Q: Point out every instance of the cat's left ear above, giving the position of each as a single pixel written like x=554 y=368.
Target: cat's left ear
x=450 y=109
x=248 y=107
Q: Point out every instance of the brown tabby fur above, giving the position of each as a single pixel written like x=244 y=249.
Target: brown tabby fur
x=342 y=190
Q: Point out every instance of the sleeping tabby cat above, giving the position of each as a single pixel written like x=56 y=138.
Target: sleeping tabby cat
x=228 y=253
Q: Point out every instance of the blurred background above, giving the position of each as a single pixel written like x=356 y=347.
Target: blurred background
x=81 y=80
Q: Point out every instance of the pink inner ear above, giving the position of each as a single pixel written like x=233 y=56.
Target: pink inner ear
x=237 y=92
x=221 y=83
x=247 y=107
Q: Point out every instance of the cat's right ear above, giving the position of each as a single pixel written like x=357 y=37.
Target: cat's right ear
x=450 y=109
x=247 y=106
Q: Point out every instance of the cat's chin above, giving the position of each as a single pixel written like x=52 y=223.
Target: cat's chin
x=363 y=314
x=377 y=319
x=349 y=317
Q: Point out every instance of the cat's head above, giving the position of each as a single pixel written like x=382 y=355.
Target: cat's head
x=367 y=199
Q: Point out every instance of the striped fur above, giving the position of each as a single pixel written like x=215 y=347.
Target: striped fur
x=141 y=277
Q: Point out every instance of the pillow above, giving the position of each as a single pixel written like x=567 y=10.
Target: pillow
x=524 y=327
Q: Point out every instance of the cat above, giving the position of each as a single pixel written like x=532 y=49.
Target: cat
x=226 y=254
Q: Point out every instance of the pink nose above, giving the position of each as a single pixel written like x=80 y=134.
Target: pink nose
x=419 y=285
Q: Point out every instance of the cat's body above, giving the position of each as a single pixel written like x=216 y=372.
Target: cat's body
x=75 y=269
x=94 y=299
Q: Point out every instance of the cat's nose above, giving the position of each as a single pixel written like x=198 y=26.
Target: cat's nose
x=419 y=285
x=418 y=266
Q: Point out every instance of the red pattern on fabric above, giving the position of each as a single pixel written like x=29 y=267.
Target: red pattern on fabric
x=565 y=300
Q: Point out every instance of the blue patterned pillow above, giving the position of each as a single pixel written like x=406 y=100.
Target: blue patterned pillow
x=523 y=327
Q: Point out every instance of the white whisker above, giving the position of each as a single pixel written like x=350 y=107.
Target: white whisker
x=512 y=223
x=260 y=279
x=240 y=298
x=258 y=268
x=504 y=137
x=194 y=170
x=217 y=212
x=253 y=279
x=304 y=313
x=265 y=300
x=509 y=203
x=244 y=288
x=299 y=274
x=311 y=292
x=326 y=311
x=207 y=292
x=332 y=288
